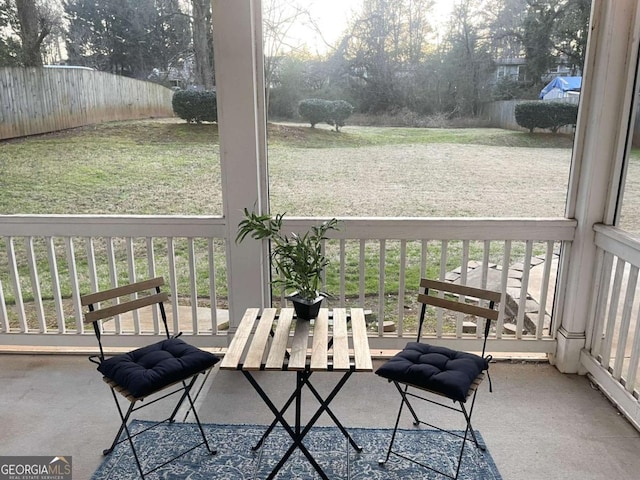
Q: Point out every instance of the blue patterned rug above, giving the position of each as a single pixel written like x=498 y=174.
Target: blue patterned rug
x=236 y=461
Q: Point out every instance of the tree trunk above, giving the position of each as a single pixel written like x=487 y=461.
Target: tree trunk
x=201 y=34
x=30 y=32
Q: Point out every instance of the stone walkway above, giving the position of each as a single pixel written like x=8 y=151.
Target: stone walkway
x=514 y=290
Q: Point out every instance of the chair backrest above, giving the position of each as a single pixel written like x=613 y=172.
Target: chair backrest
x=119 y=300
x=455 y=297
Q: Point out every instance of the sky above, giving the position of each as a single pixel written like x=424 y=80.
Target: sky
x=332 y=17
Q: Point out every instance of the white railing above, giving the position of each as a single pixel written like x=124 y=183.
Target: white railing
x=612 y=353
x=47 y=262
x=51 y=260
x=393 y=254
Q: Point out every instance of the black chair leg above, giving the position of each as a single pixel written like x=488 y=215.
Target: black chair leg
x=403 y=394
x=124 y=426
x=469 y=433
x=124 y=419
x=183 y=397
x=467 y=417
x=395 y=428
x=195 y=415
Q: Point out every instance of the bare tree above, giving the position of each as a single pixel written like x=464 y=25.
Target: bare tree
x=202 y=42
x=548 y=31
x=468 y=60
x=279 y=18
x=385 y=49
x=35 y=25
x=51 y=48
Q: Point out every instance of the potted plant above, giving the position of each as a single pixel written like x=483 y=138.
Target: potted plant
x=298 y=259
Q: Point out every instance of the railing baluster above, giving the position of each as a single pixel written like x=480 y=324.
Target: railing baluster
x=15 y=280
x=75 y=288
x=91 y=264
x=381 y=289
x=151 y=265
x=524 y=289
x=4 y=316
x=506 y=261
x=35 y=284
x=613 y=313
x=131 y=269
x=55 y=284
x=544 y=289
x=173 y=283
x=361 y=272
x=486 y=249
x=193 y=286
x=401 y=285
x=632 y=371
x=444 y=247
x=113 y=276
x=343 y=271
x=601 y=308
x=464 y=270
x=212 y=286
x=424 y=246
x=625 y=322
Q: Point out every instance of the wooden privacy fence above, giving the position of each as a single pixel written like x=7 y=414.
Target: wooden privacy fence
x=40 y=100
x=501 y=114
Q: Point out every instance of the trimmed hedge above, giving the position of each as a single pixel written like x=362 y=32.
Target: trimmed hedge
x=340 y=111
x=314 y=110
x=195 y=107
x=545 y=114
x=317 y=110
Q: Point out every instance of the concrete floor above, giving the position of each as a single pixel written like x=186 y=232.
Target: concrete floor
x=537 y=424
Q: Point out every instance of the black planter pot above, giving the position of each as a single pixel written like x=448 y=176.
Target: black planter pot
x=304 y=309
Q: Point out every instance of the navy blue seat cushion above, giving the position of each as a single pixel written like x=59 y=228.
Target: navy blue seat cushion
x=147 y=369
x=438 y=369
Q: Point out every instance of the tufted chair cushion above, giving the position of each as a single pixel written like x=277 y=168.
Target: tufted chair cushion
x=148 y=369
x=439 y=369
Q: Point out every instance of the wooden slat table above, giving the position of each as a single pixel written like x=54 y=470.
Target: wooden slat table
x=264 y=341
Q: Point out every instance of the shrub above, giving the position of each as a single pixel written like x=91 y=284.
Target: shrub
x=541 y=114
x=339 y=112
x=195 y=107
x=314 y=110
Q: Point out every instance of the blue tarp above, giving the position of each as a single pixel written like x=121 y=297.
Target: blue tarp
x=565 y=84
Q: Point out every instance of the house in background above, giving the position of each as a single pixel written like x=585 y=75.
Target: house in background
x=562 y=87
x=179 y=76
x=515 y=69
x=561 y=68
x=511 y=68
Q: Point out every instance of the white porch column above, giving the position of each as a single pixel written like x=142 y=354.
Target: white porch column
x=237 y=42
x=601 y=134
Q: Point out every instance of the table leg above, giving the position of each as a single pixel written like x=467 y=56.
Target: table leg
x=324 y=407
x=322 y=402
x=275 y=422
x=296 y=435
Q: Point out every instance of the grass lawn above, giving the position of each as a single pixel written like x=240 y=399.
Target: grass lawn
x=168 y=167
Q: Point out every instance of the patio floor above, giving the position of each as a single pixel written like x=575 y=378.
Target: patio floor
x=537 y=424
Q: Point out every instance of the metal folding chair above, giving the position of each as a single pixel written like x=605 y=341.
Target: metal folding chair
x=170 y=364
x=441 y=372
